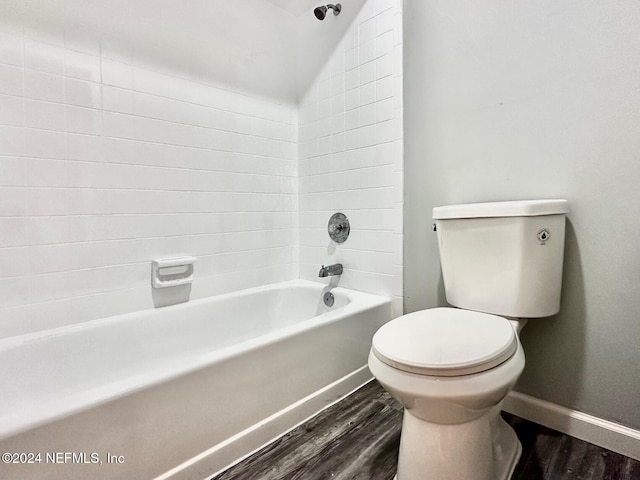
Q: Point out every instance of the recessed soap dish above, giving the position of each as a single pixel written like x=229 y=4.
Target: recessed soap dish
x=171 y=272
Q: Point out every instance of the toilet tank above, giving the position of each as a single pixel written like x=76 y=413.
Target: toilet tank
x=503 y=258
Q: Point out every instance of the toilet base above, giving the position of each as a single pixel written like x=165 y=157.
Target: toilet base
x=486 y=448
x=511 y=451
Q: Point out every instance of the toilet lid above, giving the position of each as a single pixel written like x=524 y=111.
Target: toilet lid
x=445 y=342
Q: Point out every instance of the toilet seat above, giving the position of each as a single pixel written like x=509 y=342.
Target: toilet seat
x=445 y=342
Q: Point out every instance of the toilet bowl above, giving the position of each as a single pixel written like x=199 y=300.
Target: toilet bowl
x=451 y=368
x=451 y=390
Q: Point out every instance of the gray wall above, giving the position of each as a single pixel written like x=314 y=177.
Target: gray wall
x=519 y=100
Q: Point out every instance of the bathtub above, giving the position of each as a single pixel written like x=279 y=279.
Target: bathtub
x=183 y=391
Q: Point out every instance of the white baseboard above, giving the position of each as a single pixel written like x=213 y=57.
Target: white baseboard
x=603 y=433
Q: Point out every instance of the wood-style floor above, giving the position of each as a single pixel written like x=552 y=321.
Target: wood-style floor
x=358 y=439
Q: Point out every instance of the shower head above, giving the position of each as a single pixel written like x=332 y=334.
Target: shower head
x=321 y=12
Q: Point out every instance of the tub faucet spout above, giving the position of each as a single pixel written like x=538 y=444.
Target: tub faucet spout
x=330 y=270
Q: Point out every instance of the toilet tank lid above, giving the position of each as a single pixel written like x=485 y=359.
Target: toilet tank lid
x=519 y=208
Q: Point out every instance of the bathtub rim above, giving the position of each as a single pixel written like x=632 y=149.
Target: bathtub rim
x=13 y=341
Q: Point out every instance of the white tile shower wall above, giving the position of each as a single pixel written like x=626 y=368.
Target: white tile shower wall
x=107 y=162
x=350 y=156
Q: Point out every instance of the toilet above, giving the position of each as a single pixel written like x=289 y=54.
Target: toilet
x=451 y=368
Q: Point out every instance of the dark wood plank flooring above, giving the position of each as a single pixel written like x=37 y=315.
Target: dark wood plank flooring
x=358 y=439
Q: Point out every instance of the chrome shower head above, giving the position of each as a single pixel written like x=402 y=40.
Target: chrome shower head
x=321 y=12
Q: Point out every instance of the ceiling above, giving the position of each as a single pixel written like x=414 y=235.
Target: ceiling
x=273 y=48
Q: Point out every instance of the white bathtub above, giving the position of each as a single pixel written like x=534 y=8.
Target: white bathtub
x=183 y=391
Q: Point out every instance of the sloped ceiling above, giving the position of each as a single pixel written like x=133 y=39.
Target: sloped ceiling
x=269 y=47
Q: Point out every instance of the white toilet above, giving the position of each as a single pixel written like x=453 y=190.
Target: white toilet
x=451 y=368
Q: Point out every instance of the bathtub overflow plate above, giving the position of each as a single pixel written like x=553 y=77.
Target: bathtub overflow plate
x=328 y=299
